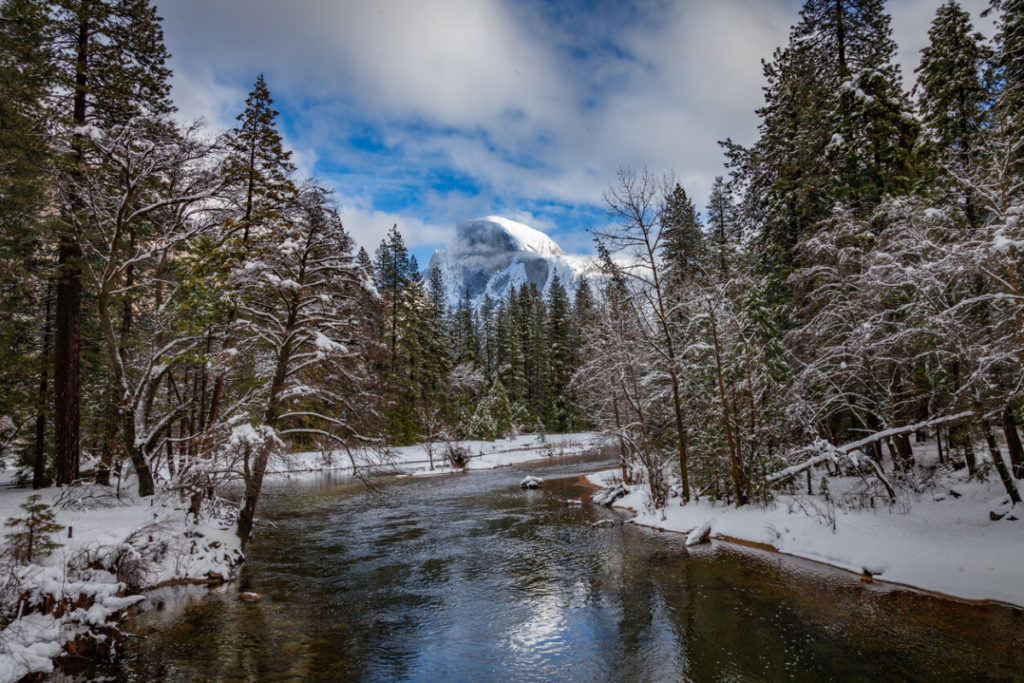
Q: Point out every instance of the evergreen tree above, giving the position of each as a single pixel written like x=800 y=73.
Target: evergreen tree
x=405 y=298
x=363 y=260
x=724 y=238
x=26 y=78
x=1008 y=63
x=259 y=171
x=583 y=315
x=464 y=332
x=559 y=347
x=110 y=59
x=682 y=248
x=259 y=164
x=835 y=128
x=954 y=101
x=393 y=274
x=435 y=364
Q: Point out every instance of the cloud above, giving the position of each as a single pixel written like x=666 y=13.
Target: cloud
x=367 y=226
x=425 y=113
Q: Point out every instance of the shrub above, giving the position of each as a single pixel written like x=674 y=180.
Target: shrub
x=32 y=536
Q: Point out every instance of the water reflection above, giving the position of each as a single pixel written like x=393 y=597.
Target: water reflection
x=471 y=578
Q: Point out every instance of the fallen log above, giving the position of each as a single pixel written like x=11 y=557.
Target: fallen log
x=829 y=453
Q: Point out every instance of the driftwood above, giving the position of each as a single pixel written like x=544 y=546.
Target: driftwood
x=830 y=453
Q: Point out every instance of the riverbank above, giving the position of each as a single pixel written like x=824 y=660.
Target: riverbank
x=943 y=540
x=415 y=460
x=111 y=546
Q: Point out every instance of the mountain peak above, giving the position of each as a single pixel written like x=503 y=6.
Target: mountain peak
x=493 y=255
x=493 y=235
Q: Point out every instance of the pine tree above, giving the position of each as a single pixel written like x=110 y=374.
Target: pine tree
x=392 y=271
x=33 y=534
x=26 y=78
x=836 y=127
x=954 y=101
x=258 y=171
x=258 y=164
x=464 y=332
x=405 y=296
x=111 y=57
x=433 y=371
x=583 y=315
x=724 y=239
x=682 y=247
x=363 y=260
x=560 y=356
x=1008 y=71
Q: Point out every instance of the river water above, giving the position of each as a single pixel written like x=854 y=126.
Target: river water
x=470 y=578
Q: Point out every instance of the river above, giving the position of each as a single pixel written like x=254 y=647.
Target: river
x=469 y=578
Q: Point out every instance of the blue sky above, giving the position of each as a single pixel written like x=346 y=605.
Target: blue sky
x=427 y=113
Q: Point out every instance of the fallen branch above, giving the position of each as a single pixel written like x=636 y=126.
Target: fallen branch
x=829 y=453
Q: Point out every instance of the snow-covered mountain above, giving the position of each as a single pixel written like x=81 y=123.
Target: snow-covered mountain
x=492 y=255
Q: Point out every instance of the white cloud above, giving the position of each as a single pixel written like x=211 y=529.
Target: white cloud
x=476 y=85
x=367 y=226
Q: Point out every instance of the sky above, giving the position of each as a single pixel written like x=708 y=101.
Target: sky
x=422 y=114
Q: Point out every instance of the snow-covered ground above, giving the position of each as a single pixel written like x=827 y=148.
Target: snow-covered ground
x=109 y=544
x=415 y=460
x=941 y=540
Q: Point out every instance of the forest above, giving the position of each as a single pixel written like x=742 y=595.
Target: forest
x=180 y=306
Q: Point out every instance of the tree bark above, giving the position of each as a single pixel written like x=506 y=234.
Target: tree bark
x=67 y=336
x=39 y=455
x=997 y=460
x=1013 y=443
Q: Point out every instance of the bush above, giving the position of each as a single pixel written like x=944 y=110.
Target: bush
x=456 y=456
x=32 y=535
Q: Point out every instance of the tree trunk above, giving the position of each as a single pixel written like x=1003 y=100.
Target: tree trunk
x=1013 y=441
x=997 y=460
x=66 y=361
x=109 y=440
x=67 y=336
x=736 y=467
x=253 y=486
x=623 y=463
x=254 y=474
x=39 y=455
x=972 y=462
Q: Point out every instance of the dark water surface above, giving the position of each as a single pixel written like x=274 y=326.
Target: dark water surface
x=469 y=578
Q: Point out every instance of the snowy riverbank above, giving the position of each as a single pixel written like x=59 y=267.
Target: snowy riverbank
x=415 y=460
x=942 y=540
x=110 y=546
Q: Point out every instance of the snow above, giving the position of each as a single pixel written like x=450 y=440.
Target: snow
x=473 y=233
x=945 y=543
x=415 y=461
x=700 y=534
x=105 y=528
x=326 y=345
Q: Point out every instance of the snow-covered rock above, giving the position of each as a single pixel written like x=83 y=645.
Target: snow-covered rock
x=700 y=534
x=531 y=482
x=494 y=255
x=610 y=494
